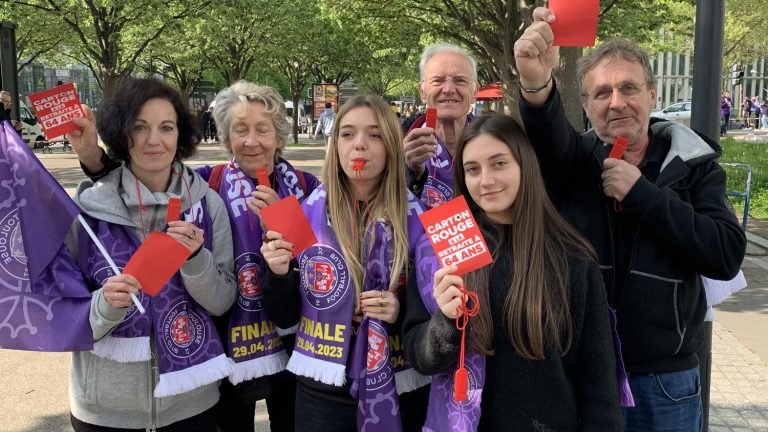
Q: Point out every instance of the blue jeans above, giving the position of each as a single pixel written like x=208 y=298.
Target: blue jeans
x=665 y=402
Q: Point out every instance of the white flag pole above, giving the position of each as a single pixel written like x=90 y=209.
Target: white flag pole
x=103 y=251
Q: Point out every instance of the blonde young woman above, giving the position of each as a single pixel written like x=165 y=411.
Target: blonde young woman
x=349 y=284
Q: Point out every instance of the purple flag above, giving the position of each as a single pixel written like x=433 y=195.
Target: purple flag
x=44 y=300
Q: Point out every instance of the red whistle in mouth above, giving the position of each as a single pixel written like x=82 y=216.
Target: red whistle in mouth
x=618 y=147
x=358 y=164
x=262 y=177
x=431 y=118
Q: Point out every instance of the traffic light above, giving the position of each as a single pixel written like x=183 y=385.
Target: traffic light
x=738 y=75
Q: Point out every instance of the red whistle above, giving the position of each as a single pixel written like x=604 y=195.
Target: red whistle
x=460 y=384
x=431 y=118
x=358 y=164
x=174 y=210
x=262 y=177
x=618 y=147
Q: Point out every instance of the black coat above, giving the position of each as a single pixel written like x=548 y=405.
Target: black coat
x=573 y=392
x=679 y=226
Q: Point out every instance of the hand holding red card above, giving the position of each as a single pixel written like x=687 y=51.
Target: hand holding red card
x=455 y=236
x=55 y=109
x=156 y=261
x=287 y=218
x=576 y=22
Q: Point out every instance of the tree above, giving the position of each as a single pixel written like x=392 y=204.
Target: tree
x=35 y=38
x=111 y=36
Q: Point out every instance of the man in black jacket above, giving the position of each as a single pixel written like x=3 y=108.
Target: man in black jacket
x=658 y=217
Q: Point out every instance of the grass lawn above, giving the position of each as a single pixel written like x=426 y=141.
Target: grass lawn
x=755 y=155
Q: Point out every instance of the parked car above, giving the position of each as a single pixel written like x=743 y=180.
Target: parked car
x=31 y=132
x=679 y=112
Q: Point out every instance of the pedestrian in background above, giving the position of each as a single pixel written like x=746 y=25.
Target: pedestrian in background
x=325 y=123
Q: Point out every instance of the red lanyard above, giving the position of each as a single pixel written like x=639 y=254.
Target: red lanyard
x=461 y=379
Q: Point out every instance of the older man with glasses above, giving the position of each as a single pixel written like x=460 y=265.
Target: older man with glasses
x=448 y=83
x=657 y=217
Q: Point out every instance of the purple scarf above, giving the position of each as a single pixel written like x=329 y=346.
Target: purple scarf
x=188 y=350
x=376 y=367
x=443 y=414
x=253 y=342
x=439 y=185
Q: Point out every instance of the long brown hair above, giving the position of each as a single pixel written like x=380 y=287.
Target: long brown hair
x=537 y=306
x=389 y=200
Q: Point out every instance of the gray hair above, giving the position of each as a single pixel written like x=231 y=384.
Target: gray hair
x=246 y=92
x=437 y=48
x=616 y=48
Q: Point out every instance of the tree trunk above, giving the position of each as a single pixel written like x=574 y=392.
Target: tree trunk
x=295 y=119
x=568 y=86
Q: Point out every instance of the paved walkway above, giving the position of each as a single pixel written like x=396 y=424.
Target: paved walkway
x=33 y=389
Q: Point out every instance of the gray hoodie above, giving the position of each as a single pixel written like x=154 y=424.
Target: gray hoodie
x=120 y=395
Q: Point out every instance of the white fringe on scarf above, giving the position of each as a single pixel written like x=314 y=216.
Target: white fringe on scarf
x=288 y=331
x=259 y=367
x=182 y=381
x=410 y=380
x=123 y=350
x=319 y=370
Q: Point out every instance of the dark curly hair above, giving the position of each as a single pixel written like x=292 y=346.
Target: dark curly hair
x=119 y=111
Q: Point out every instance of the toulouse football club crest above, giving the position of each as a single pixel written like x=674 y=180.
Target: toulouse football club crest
x=184 y=331
x=324 y=276
x=250 y=274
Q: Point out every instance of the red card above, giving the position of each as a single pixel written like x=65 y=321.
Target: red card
x=455 y=236
x=156 y=260
x=174 y=210
x=431 y=118
x=576 y=23
x=618 y=147
x=262 y=177
x=55 y=109
x=287 y=218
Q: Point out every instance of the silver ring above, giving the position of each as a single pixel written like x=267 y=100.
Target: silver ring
x=193 y=234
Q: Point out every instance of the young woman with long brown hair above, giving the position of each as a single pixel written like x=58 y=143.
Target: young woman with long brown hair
x=540 y=353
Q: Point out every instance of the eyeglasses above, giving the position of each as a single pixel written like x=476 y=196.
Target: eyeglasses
x=627 y=90
x=458 y=80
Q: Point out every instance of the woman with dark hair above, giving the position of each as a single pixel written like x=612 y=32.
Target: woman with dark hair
x=159 y=370
x=540 y=350
x=345 y=291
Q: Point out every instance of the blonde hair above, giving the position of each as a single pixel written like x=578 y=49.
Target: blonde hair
x=389 y=201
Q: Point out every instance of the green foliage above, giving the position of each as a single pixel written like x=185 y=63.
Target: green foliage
x=755 y=155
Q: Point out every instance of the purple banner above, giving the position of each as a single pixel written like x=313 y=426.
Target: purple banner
x=44 y=301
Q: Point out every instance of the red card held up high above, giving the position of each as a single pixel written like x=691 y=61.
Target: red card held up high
x=156 y=261
x=55 y=109
x=455 y=236
x=576 y=22
x=287 y=218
